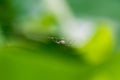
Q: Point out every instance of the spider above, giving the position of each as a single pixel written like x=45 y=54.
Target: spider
x=61 y=41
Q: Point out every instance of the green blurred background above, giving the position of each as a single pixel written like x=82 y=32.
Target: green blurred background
x=59 y=40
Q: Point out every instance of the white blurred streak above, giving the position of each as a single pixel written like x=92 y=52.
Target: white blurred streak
x=59 y=8
x=79 y=31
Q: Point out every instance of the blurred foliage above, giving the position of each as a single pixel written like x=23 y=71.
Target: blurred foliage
x=32 y=47
x=100 y=8
x=101 y=45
